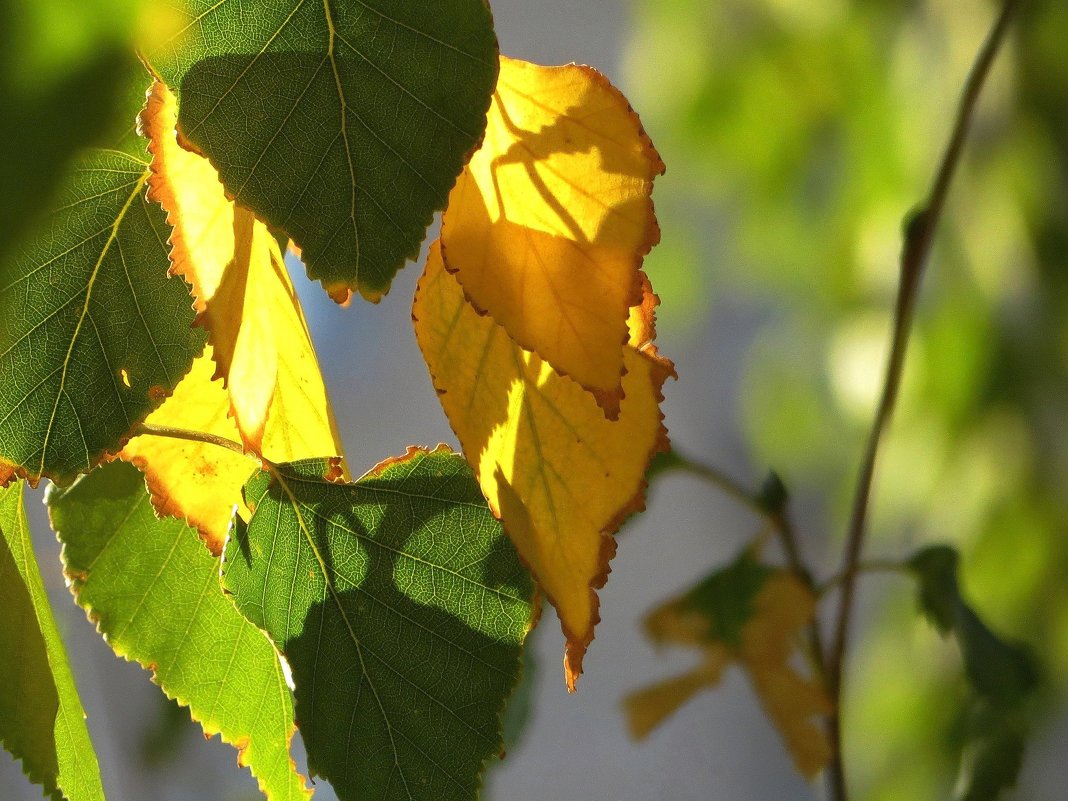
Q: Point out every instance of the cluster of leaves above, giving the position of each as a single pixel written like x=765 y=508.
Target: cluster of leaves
x=157 y=367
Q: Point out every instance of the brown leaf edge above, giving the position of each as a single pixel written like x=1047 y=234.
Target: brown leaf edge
x=609 y=401
x=75 y=579
x=662 y=368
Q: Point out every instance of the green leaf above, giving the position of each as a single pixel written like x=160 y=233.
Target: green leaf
x=93 y=332
x=1003 y=677
x=41 y=717
x=342 y=122
x=153 y=590
x=62 y=69
x=401 y=608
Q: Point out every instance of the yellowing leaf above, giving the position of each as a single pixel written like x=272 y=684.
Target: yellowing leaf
x=557 y=473
x=243 y=297
x=547 y=226
x=750 y=614
x=195 y=481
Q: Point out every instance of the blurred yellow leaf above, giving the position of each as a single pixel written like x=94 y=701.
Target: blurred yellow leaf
x=761 y=612
x=195 y=481
x=547 y=226
x=243 y=297
x=558 y=474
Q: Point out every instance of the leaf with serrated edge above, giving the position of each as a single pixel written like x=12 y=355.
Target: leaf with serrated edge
x=42 y=721
x=400 y=607
x=195 y=481
x=560 y=476
x=342 y=124
x=154 y=593
x=93 y=332
x=243 y=297
x=548 y=223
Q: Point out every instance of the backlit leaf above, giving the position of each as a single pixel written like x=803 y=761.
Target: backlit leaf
x=560 y=476
x=42 y=721
x=243 y=297
x=752 y=615
x=93 y=332
x=400 y=606
x=548 y=223
x=154 y=593
x=194 y=481
x=343 y=124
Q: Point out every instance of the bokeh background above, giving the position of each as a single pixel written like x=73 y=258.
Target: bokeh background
x=797 y=135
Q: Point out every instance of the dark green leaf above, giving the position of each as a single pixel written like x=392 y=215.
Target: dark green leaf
x=153 y=590
x=401 y=608
x=41 y=717
x=342 y=122
x=93 y=332
x=1003 y=677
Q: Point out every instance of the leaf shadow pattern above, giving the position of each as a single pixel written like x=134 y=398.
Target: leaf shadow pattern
x=401 y=609
x=549 y=223
x=350 y=150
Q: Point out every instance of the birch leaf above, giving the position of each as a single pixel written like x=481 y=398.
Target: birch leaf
x=154 y=593
x=342 y=124
x=243 y=297
x=751 y=615
x=548 y=224
x=42 y=722
x=560 y=476
x=400 y=607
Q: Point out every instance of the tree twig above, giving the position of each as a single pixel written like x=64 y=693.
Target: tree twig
x=919 y=235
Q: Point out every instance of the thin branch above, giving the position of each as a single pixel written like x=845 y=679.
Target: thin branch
x=919 y=236
x=147 y=429
x=866 y=566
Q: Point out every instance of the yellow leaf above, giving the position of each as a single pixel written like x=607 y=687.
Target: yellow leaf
x=243 y=297
x=198 y=482
x=547 y=226
x=781 y=608
x=558 y=474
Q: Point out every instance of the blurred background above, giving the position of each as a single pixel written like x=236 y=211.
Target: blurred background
x=797 y=135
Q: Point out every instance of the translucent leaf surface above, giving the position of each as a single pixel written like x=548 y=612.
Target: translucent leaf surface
x=244 y=299
x=154 y=593
x=548 y=223
x=93 y=332
x=560 y=476
x=41 y=717
x=400 y=606
x=194 y=481
x=342 y=123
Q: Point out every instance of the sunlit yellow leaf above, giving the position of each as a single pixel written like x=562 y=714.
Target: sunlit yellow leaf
x=559 y=475
x=547 y=226
x=762 y=613
x=243 y=297
x=198 y=482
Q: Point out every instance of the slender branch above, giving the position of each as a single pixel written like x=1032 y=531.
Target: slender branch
x=866 y=566
x=191 y=436
x=919 y=236
x=724 y=482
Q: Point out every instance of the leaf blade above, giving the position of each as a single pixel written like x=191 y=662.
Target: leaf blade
x=385 y=99
x=42 y=721
x=400 y=608
x=154 y=593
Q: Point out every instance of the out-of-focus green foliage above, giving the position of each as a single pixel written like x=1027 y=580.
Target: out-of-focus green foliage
x=800 y=135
